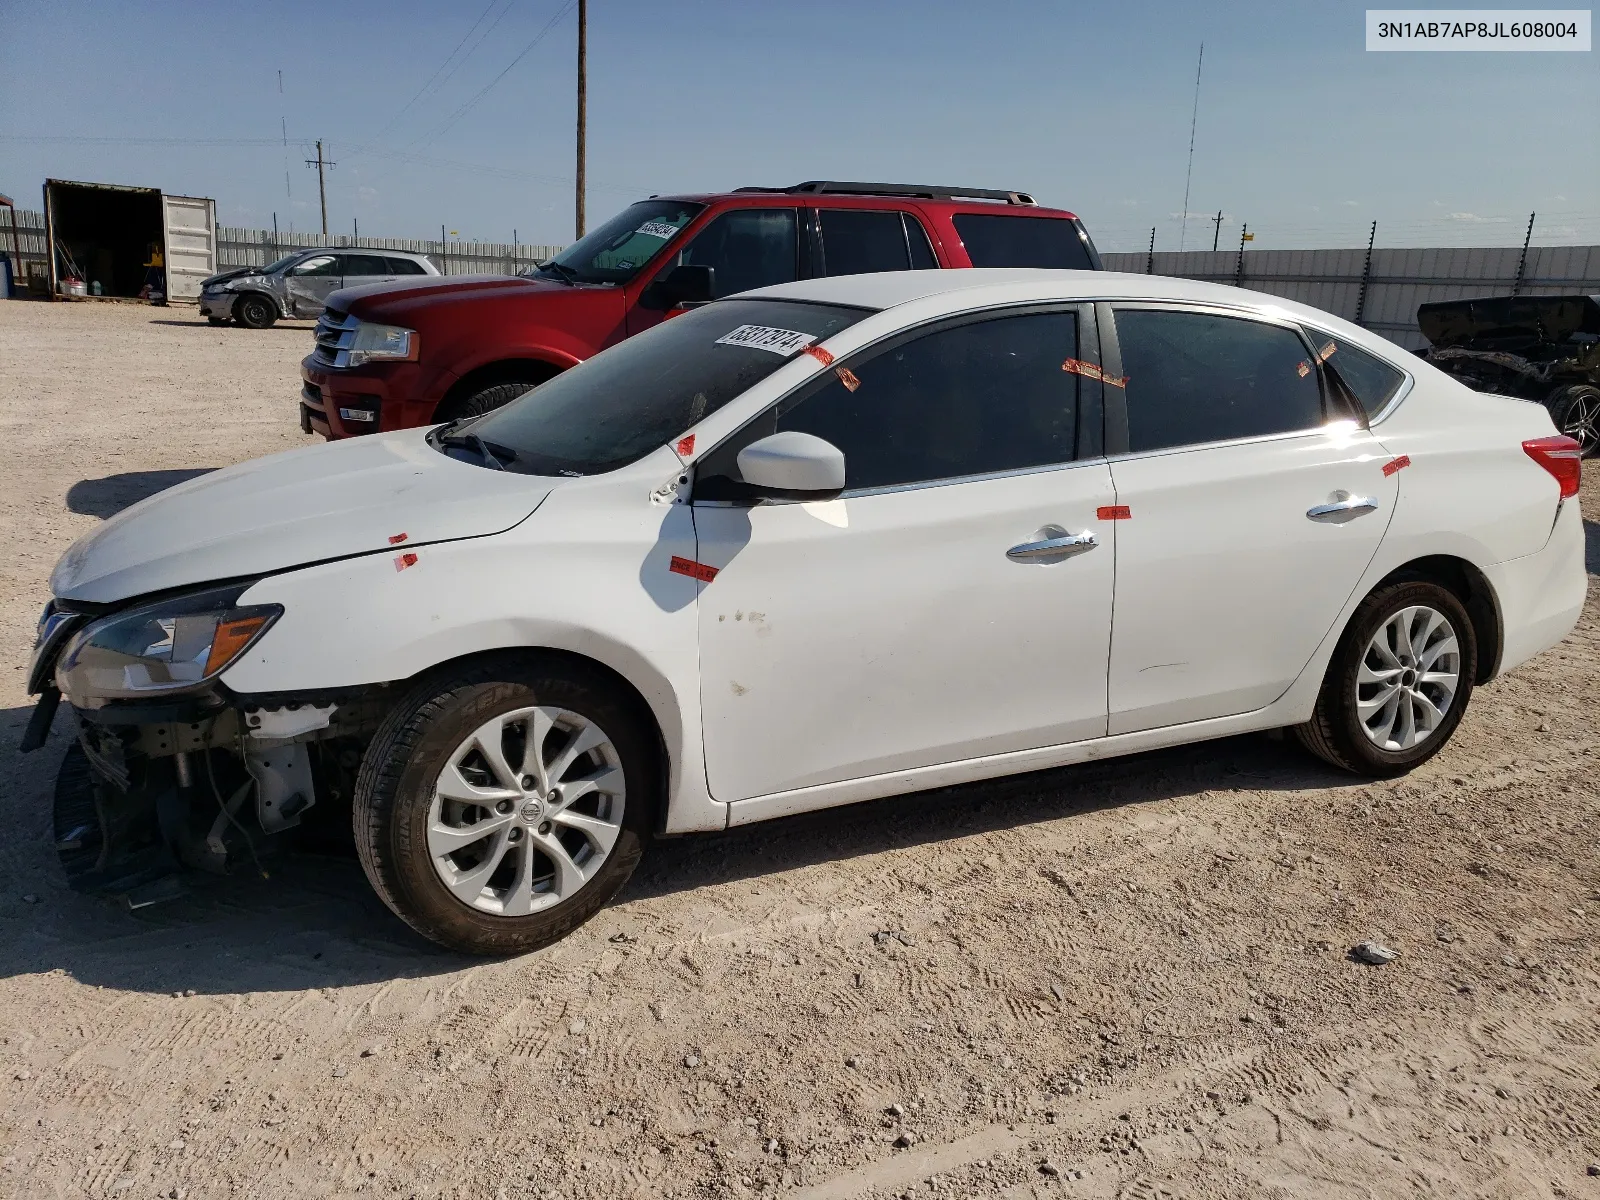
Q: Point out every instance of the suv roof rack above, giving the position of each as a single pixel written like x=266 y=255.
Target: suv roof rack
x=920 y=190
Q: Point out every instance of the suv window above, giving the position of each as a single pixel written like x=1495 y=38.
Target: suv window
x=996 y=241
x=747 y=248
x=1196 y=377
x=619 y=249
x=365 y=264
x=405 y=266
x=858 y=242
x=965 y=400
x=1371 y=380
x=323 y=265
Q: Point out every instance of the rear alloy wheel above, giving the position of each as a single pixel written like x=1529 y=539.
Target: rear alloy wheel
x=255 y=311
x=1576 y=412
x=500 y=809
x=1398 y=683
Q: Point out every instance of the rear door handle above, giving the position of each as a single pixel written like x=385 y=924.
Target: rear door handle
x=1053 y=549
x=1344 y=507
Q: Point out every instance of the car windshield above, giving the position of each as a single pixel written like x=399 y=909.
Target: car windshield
x=626 y=401
x=619 y=249
x=281 y=263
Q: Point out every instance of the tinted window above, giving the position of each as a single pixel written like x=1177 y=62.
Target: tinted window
x=858 y=243
x=642 y=393
x=615 y=252
x=1194 y=377
x=1372 y=381
x=365 y=264
x=996 y=241
x=405 y=266
x=922 y=258
x=747 y=248
x=968 y=400
x=322 y=265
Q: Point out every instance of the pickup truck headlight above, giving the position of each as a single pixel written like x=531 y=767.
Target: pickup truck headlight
x=379 y=343
x=170 y=646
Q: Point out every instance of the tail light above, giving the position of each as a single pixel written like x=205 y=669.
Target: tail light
x=1561 y=456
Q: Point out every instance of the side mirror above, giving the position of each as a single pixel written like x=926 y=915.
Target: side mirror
x=792 y=466
x=685 y=284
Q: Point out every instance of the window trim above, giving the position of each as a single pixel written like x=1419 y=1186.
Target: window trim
x=1117 y=400
x=1088 y=341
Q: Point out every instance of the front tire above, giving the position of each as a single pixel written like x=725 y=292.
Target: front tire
x=1398 y=683
x=500 y=807
x=255 y=312
x=487 y=399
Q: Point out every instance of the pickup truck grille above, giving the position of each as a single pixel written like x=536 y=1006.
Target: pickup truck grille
x=335 y=333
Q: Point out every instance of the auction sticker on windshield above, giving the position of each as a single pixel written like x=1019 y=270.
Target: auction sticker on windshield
x=765 y=337
x=658 y=229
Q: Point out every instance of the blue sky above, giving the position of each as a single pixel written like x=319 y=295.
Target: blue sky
x=1302 y=133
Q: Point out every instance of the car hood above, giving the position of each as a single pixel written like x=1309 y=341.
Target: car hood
x=382 y=493
x=225 y=276
x=394 y=301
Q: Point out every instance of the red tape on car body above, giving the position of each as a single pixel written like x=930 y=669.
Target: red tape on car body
x=1396 y=464
x=694 y=570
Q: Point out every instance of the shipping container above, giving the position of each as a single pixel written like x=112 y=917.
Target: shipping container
x=106 y=231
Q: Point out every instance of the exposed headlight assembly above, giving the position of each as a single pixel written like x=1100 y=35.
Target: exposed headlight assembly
x=381 y=343
x=166 y=647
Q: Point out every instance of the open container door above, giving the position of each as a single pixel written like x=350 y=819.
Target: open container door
x=190 y=230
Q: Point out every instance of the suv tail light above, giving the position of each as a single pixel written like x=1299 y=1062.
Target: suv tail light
x=1561 y=457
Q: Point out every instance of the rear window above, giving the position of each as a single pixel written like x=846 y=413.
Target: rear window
x=642 y=393
x=1005 y=241
x=405 y=266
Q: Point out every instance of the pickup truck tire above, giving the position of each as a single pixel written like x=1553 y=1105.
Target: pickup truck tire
x=1576 y=411
x=553 y=762
x=255 y=311
x=488 y=398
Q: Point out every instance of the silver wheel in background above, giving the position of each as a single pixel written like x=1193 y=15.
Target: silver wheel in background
x=1408 y=678
x=1581 y=422
x=526 y=811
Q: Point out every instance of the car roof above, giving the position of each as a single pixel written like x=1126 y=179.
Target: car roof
x=756 y=197
x=961 y=289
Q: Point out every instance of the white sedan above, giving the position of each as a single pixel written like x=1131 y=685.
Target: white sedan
x=806 y=546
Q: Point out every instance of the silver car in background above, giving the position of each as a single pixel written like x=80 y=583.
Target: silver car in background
x=299 y=284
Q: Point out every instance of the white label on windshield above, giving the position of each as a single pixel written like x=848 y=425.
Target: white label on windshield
x=764 y=337
x=658 y=229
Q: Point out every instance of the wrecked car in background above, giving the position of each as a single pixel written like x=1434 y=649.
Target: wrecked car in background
x=299 y=284
x=1541 y=348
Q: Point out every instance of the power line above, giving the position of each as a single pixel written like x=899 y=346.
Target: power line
x=1194 y=121
x=404 y=108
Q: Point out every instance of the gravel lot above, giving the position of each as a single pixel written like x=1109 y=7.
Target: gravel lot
x=1124 y=979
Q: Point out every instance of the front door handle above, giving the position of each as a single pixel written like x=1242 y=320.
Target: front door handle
x=1059 y=545
x=1343 y=507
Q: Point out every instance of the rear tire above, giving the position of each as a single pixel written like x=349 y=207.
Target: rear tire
x=563 y=837
x=255 y=312
x=1576 y=411
x=1390 y=702
x=488 y=398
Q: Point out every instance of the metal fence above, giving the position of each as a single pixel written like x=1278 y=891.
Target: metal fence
x=1382 y=294
x=238 y=247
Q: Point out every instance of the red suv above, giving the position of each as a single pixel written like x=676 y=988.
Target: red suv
x=395 y=355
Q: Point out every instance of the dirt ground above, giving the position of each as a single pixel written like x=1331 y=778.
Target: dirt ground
x=1124 y=979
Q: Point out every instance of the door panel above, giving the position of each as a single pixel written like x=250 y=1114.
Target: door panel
x=886 y=631
x=190 y=232
x=311 y=283
x=1225 y=586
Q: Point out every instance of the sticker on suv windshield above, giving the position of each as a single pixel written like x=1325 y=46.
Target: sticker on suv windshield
x=658 y=229
x=764 y=337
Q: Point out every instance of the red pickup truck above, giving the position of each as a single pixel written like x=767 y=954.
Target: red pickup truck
x=396 y=355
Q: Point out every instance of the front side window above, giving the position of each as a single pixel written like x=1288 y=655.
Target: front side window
x=858 y=242
x=322 y=265
x=969 y=399
x=747 y=248
x=619 y=249
x=1194 y=377
x=642 y=393
x=1369 y=379
x=1007 y=241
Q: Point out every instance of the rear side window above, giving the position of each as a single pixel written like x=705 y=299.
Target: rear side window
x=1196 y=377
x=1005 y=241
x=1371 y=380
x=405 y=266
x=967 y=400
x=365 y=264
x=856 y=242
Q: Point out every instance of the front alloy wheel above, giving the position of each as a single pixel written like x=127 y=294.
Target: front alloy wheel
x=1398 y=682
x=500 y=805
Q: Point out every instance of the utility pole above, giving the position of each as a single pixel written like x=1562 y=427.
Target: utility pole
x=1217 y=232
x=322 y=187
x=583 y=101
